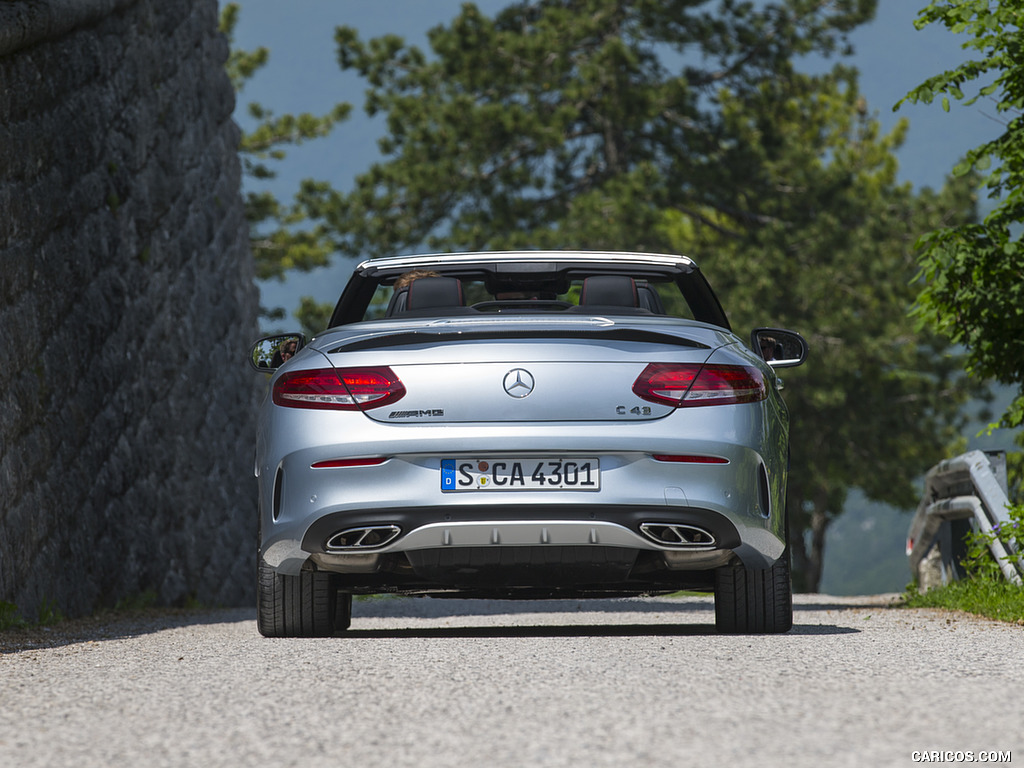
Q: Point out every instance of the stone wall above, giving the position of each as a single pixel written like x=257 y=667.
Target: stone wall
x=126 y=307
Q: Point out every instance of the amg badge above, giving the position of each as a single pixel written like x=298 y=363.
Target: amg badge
x=416 y=414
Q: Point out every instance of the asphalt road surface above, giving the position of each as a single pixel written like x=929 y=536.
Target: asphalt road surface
x=421 y=682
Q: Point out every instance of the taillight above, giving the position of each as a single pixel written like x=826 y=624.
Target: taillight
x=345 y=389
x=686 y=385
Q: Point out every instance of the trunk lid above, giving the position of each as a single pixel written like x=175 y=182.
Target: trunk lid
x=522 y=371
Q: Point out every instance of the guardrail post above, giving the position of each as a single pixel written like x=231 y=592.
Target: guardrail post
x=961 y=495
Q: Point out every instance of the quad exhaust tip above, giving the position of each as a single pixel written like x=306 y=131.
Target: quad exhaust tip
x=366 y=537
x=676 y=535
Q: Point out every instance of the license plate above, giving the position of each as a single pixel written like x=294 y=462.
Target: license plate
x=498 y=474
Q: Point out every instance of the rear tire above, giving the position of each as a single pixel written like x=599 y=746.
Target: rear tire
x=307 y=605
x=754 y=602
x=342 y=610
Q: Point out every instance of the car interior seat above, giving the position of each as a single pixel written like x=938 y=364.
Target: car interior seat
x=434 y=293
x=609 y=291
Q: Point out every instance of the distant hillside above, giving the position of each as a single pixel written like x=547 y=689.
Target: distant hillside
x=865 y=550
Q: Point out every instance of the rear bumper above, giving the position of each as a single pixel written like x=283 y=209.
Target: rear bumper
x=507 y=543
x=669 y=538
x=740 y=502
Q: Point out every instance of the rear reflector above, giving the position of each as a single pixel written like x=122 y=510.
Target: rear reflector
x=340 y=463
x=690 y=459
x=344 y=389
x=686 y=385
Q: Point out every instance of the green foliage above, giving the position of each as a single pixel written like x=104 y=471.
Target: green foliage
x=1015 y=477
x=972 y=287
x=313 y=316
x=281 y=236
x=137 y=602
x=980 y=562
x=998 y=600
x=986 y=591
x=832 y=254
x=241 y=65
x=49 y=613
x=9 y=617
x=559 y=124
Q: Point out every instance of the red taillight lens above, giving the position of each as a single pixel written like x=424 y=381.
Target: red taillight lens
x=688 y=459
x=686 y=385
x=372 y=387
x=344 y=463
x=345 y=389
x=666 y=382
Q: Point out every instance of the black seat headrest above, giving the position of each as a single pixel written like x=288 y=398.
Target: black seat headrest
x=434 y=292
x=609 y=291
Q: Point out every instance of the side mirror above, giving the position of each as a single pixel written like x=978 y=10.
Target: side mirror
x=271 y=352
x=778 y=347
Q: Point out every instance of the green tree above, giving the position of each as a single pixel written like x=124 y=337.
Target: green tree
x=282 y=237
x=974 y=272
x=834 y=256
x=676 y=126
x=559 y=122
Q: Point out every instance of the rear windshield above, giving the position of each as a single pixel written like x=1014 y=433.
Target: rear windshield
x=612 y=294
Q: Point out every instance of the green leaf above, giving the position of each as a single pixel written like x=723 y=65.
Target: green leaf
x=975 y=296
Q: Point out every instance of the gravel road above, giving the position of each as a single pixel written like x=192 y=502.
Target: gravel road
x=421 y=682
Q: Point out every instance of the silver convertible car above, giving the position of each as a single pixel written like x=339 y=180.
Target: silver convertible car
x=534 y=424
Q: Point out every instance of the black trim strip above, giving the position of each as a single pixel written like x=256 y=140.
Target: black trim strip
x=410 y=338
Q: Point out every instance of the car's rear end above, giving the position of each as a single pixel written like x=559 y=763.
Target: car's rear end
x=525 y=456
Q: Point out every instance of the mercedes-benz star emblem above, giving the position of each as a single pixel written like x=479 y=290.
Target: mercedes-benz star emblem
x=518 y=382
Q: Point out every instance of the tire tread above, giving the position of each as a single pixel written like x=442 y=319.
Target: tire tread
x=755 y=602
x=306 y=605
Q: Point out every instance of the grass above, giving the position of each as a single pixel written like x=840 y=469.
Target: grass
x=984 y=592
x=48 y=613
x=9 y=617
x=999 y=600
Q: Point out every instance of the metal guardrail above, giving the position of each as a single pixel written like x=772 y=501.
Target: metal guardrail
x=963 y=494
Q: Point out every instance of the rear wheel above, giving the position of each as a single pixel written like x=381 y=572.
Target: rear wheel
x=307 y=605
x=754 y=602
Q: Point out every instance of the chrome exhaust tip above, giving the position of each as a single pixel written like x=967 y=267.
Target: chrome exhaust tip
x=678 y=535
x=365 y=537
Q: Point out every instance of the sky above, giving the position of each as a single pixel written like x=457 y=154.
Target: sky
x=303 y=76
